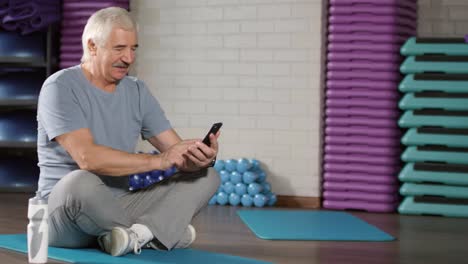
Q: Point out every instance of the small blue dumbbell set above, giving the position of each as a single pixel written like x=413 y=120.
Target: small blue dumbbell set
x=244 y=183
x=145 y=179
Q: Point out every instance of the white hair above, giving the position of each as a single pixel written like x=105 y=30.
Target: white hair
x=101 y=23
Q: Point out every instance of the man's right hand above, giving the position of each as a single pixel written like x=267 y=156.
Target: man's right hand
x=176 y=154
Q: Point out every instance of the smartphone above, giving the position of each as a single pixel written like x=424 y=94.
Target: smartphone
x=213 y=130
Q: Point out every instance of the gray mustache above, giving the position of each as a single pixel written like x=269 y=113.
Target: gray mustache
x=121 y=65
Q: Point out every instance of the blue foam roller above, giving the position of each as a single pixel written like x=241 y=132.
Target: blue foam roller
x=135 y=181
x=170 y=171
x=147 y=180
x=156 y=173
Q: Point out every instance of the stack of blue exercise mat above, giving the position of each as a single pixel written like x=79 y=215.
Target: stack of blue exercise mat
x=435 y=108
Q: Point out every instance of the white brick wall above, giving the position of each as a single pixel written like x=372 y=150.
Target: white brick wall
x=252 y=64
x=442 y=18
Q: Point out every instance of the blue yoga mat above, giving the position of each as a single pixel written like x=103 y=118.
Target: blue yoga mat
x=310 y=225
x=17 y=242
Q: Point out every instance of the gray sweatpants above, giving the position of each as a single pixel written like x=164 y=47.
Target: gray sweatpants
x=82 y=207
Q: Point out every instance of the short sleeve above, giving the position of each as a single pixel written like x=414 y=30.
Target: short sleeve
x=154 y=118
x=59 y=111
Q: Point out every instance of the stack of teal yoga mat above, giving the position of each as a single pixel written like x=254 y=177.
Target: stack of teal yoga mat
x=435 y=105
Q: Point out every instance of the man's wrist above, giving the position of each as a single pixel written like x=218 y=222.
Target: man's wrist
x=213 y=162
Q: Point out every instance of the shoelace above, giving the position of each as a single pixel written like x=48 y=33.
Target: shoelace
x=137 y=244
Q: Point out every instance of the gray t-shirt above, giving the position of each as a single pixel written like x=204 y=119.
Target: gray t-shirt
x=68 y=101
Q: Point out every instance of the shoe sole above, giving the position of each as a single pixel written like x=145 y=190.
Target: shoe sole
x=117 y=234
x=193 y=234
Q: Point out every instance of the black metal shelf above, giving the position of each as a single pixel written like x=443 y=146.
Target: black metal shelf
x=18 y=103
x=6 y=61
x=18 y=189
x=21 y=152
x=18 y=144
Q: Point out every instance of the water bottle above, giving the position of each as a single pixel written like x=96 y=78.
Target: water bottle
x=38 y=229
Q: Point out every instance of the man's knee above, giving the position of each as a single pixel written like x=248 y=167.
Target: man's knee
x=211 y=181
x=75 y=183
x=79 y=179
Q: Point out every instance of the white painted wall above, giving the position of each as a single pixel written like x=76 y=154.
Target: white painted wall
x=442 y=18
x=255 y=65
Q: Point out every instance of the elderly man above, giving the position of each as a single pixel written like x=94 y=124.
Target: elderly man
x=90 y=117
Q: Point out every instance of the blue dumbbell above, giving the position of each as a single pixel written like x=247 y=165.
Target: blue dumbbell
x=235 y=177
x=243 y=165
x=222 y=198
x=246 y=200
x=234 y=199
x=219 y=165
x=260 y=200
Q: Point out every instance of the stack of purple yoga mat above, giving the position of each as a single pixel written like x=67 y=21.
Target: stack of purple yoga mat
x=75 y=16
x=27 y=16
x=362 y=138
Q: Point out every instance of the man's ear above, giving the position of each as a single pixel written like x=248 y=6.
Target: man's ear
x=92 y=47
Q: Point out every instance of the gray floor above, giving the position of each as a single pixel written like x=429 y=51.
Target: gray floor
x=420 y=239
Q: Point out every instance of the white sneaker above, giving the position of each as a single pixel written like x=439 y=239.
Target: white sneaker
x=187 y=239
x=120 y=241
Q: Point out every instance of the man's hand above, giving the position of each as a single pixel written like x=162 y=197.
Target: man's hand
x=175 y=155
x=191 y=155
x=200 y=156
x=186 y=155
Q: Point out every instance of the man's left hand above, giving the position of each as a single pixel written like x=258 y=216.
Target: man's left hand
x=200 y=156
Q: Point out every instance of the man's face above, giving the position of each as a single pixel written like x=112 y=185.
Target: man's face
x=118 y=53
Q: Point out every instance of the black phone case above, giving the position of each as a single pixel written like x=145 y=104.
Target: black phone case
x=213 y=130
